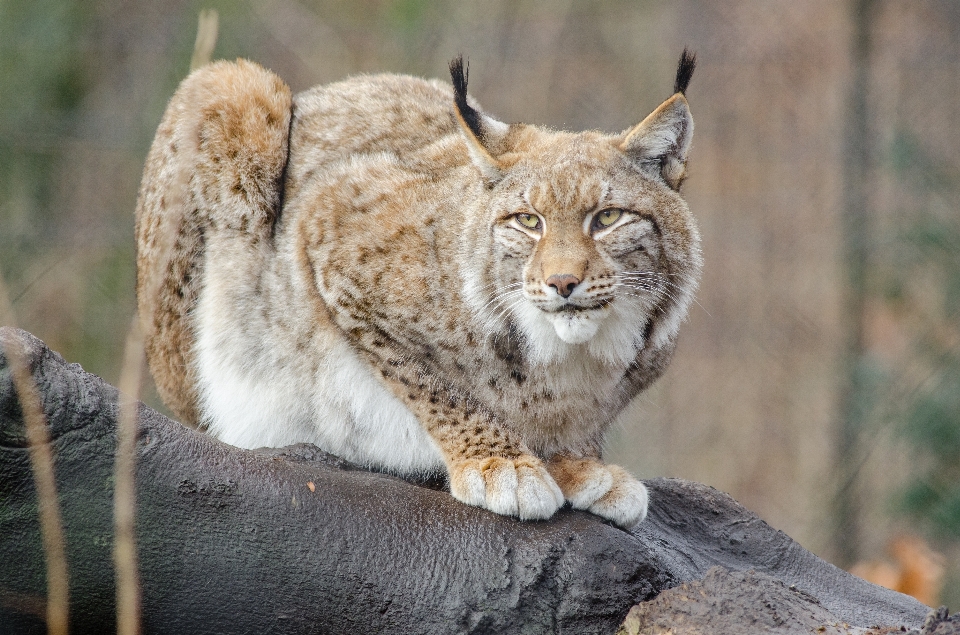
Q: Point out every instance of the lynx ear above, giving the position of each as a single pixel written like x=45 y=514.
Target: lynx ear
x=482 y=132
x=663 y=138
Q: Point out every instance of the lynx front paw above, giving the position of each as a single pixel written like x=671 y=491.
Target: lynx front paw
x=519 y=487
x=626 y=502
x=605 y=490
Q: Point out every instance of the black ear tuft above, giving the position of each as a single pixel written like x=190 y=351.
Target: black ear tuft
x=688 y=62
x=459 y=74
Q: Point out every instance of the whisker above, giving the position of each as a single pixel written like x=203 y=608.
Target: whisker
x=654 y=294
x=658 y=291
x=635 y=297
x=500 y=298
x=501 y=294
x=493 y=283
x=506 y=310
x=665 y=292
x=649 y=273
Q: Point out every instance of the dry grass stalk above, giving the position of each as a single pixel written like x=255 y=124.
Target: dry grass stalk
x=125 y=559
x=124 y=493
x=206 y=38
x=6 y=308
x=41 y=462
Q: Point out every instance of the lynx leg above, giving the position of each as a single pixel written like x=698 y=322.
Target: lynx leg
x=488 y=465
x=488 y=468
x=605 y=490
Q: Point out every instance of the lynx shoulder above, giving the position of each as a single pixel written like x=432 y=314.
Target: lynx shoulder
x=380 y=268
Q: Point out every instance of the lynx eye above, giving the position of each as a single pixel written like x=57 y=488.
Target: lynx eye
x=608 y=217
x=530 y=221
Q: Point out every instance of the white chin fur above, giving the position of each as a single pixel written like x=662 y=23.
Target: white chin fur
x=574 y=328
x=613 y=336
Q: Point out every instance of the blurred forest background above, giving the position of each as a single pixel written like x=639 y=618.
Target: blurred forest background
x=818 y=379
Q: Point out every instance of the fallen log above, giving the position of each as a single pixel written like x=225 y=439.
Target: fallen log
x=294 y=540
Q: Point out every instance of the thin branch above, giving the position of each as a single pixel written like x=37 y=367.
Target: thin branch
x=41 y=462
x=206 y=39
x=124 y=493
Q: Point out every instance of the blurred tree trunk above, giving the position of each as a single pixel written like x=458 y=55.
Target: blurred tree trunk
x=854 y=401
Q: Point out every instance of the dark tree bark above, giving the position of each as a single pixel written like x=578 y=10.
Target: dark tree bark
x=733 y=603
x=298 y=541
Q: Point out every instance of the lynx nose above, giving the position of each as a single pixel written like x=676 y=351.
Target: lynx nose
x=563 y=283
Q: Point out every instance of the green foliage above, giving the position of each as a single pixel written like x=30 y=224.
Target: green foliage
x=929 y=259
x=408 y=15
x=932 y=426
x=42 y=81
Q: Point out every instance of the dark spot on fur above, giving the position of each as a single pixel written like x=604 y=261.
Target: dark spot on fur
x=517 y=376
x=506 y=347
x=647 y=330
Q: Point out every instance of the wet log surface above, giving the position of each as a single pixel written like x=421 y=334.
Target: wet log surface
x=297 y=541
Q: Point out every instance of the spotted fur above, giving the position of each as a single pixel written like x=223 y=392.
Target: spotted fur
x=394 y=275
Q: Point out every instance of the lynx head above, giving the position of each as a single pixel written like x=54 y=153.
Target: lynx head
x=590 y=244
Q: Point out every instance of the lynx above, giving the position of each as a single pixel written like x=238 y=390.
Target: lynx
x=382 y=269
